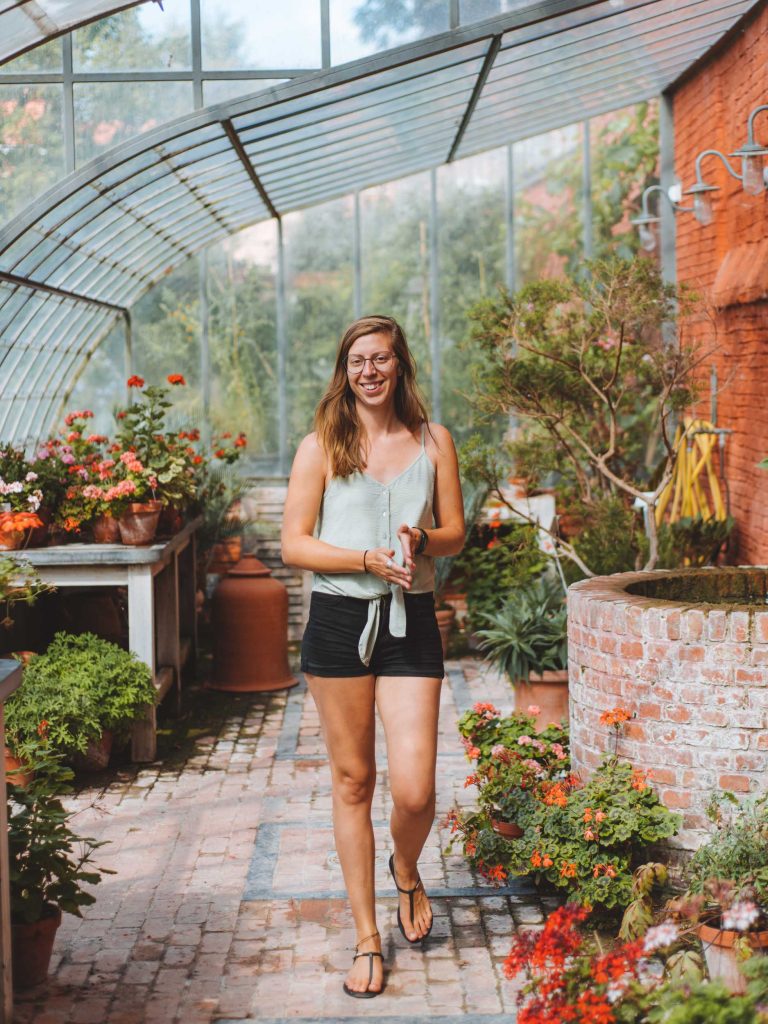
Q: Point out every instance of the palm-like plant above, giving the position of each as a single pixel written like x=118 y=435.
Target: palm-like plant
x=528 y=634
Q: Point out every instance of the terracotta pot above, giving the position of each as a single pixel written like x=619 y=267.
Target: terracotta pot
x=225 y=554
x=171 y=520
x=96 y=755
x=507 y=829
x=549 y=692
x=105 y=530
x=570 y=526
x=32 y=946
x=138 y=524
x=13 y=772
x=249 y=623
x=722 y=962
x=445 y=620
x=12 y=540
x=38 y=537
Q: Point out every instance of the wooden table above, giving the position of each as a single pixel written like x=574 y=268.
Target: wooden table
x=10 y=679
x=162 y=624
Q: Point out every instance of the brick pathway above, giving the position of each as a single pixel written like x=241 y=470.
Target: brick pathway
x=228 y=905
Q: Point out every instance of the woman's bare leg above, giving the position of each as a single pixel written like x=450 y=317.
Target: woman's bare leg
x=346 y=709
x=409 y=709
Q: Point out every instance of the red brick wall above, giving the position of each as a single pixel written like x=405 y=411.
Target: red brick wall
x=727 y=263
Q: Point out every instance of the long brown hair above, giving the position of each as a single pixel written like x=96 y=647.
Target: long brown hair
x=339 y=431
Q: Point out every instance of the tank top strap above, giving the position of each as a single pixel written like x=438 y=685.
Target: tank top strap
x=423 y=436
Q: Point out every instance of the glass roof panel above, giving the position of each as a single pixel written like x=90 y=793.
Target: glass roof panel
x=119 y=223
x=29 y=22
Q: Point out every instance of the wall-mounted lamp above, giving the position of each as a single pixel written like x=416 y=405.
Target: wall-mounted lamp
x=753 y=175
x=647 y=223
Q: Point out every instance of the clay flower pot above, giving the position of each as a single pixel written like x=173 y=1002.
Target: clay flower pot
x=105 y=530
x=32 y=946
x=548 y=691
x=13 y=770
x=507 y=829
x=722 y=961
x=96 y=755
x=138 y=524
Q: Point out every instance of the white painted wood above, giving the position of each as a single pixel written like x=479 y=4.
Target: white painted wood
x=167 y=631
x=141 y=639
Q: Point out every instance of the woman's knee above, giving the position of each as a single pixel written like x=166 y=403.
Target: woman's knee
x=354 y=787
x=414 y=801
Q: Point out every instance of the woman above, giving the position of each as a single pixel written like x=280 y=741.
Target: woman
x=374 y=497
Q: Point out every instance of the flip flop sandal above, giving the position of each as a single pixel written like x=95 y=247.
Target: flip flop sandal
x=367 y=994
x=409 y=893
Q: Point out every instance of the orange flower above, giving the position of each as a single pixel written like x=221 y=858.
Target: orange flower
x=587 y=814
x=536 y=859
x=568 y=870
x=600 y=816
x=176 y=378
x=589 y=835
x=615 y=717
x=547 y=861
x=42 y=729
x=135 y=381
x=470 y=849
x=496 y=873
x=639 y=778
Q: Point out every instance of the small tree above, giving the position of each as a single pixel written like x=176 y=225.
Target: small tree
x=584 y=363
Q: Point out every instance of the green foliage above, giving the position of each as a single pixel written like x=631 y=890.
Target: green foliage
x=737 y=850
x=473 y=496
x=496 y=561
x=529 y=632
x=704 y=1002
x=79 y=687
x=692 y=540
x=612 y=539
x=483 y=728
x=49 y=864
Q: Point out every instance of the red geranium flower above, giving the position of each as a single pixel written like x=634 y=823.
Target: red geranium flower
x=135 y=381
x=176 y=378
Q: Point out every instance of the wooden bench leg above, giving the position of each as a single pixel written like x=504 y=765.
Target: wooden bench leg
x=141 y=640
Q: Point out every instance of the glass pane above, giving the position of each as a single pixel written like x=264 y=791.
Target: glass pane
x=318 y=250
x=477 y=10
x=471 y=262
x=362 y=27
x=110 y=112
x=624 y=147
x=31 y=144
x=217 y=91
x=42 y=58
x=101 y=386
x=144 y=38
x=548 y=204
x=395 y=248
x=260 y=34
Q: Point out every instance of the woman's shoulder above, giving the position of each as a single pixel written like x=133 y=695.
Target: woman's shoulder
x=310 y=453
x=438 y=436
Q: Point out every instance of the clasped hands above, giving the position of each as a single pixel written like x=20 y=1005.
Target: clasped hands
x=381 y=561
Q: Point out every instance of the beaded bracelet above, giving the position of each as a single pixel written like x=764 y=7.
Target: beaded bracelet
x=422 y=540
x=365 y=567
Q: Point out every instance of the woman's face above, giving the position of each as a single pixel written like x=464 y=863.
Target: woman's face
x=372 y=369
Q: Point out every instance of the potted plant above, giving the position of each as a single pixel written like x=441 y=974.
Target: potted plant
x=86 y=690
x=728 y=881
x=48 y=866
x=527 y=640
x=20 y=500
x=584 y=364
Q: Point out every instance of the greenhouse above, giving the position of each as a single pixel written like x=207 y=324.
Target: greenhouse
x=561 y=203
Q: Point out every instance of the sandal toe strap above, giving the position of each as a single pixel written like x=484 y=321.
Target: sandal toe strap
x=371 y=955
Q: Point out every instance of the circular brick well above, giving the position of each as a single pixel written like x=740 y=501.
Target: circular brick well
x=687 y=652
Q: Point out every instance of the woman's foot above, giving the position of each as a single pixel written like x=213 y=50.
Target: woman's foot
x=367 y=972
x=420 y=925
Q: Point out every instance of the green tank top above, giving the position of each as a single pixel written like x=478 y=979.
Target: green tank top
x=360 y=512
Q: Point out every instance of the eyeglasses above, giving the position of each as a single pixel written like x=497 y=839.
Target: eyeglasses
x=380 y=361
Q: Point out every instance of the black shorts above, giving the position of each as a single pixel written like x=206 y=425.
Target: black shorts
x=329 y=647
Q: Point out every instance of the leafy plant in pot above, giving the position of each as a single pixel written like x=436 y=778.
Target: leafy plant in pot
x=527 y=640
x=728 y=886
x=48 y=865
x=83 y=688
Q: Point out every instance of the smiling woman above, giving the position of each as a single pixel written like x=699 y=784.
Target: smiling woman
x=375 y=470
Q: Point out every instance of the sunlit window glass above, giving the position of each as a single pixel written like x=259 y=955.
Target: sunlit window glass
x=260 y=34
x=107 y=113
x=362 y=27
x=221 y=90
x=31 y=144
x=144 y=38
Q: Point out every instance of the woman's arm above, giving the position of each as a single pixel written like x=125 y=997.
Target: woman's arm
x=447 y=538
x=302 y=507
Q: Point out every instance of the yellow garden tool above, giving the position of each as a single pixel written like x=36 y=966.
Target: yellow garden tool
x=694 y=489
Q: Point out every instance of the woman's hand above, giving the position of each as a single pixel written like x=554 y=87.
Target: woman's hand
x=381 y=562
x=409 y=538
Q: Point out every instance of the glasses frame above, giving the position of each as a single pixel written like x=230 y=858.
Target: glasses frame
x=369 y=359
